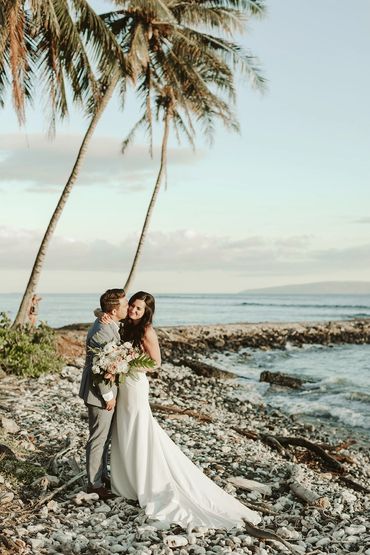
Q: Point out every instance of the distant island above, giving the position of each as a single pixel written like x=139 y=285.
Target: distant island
x=316 y=288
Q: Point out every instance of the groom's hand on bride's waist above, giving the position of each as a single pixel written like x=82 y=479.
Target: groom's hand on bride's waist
x=109 y=405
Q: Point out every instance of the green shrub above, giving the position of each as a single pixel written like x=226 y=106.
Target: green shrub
x=30 y=351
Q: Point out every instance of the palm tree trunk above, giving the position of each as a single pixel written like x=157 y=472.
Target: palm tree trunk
x=22 y=314
x=153 y=200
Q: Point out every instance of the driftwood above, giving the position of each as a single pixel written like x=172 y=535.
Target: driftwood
x=279 y=378
x=330 y=461
x=250 y=485
x=308 y=496
x=53 y=464
x=279 y=442
x=173 y=409
x=349 y=481
x=75 y=467
x=50 y=496
x=246 y=433
x=302 y=492
x=274 y=443
x=262 y=534
x=205 y=370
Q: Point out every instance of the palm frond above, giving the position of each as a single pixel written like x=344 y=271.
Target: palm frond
x=132 y=133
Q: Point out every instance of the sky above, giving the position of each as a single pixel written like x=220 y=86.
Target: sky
x=286 y=201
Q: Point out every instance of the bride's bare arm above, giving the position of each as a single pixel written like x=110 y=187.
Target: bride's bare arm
x=151 y=345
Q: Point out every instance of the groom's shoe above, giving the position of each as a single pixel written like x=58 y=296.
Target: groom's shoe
x=101 y=491
x=107 y=482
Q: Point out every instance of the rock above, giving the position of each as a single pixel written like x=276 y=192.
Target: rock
x=288 y=534
x=352 y=539
x=35 y=529
x=197 y=550
x=348 y=497
x=103 y=508
x=323 y=541
x=175 y=541
x=192 y=539
x=44 y=511
x=83 y=497
x=6 y=497
x=53 y=506
x=9 y=425
x=117 y=548
x=62 y=537
x=37 y=544
x=203 y=369
x=355 y=529
x=53 y=480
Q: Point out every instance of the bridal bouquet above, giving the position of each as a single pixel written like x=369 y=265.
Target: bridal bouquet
x=114 y=362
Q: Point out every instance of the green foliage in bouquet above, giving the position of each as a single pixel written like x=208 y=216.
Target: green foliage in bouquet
x=28 y=352
x=142 y=361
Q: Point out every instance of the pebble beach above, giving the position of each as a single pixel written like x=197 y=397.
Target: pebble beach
x=317 y=504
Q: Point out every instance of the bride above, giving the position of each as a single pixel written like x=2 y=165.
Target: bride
x=146 y=465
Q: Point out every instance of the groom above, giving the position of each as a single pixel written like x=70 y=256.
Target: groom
x=101 y=399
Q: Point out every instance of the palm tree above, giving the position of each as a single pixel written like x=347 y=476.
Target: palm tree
x=57 y=44
x=52 y=44
x=189 y=77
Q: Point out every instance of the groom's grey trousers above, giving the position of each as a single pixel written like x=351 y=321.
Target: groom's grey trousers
x=100 y=424
x=100 y=419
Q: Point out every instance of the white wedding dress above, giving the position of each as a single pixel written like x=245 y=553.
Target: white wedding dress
x=148 y=466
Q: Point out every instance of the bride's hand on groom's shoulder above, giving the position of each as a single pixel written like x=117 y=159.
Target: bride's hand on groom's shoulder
x=103 y=317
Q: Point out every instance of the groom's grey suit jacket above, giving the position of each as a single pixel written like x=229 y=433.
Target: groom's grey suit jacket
x=98 y=335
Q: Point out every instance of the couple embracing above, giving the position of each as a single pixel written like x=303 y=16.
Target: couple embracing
x=145 y=464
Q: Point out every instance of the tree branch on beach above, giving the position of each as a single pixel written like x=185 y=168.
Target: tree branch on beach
x=279 y=442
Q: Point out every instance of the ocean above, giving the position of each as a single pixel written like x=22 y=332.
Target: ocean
x=339 y=386
x=61 y=309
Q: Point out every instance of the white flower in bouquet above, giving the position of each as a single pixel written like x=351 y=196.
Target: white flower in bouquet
x=116 y=361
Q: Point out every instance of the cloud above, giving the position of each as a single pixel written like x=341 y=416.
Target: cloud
x=362 y=221
x=185 y=251
x=42 y=164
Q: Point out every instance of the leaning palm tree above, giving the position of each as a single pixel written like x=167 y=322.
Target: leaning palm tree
x=188 y=73
x=54 y=45
x=114 y=69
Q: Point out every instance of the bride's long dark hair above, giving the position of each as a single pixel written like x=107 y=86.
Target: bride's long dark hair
x=135 y=332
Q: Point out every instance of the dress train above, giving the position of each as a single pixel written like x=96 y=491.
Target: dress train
x=148 y=466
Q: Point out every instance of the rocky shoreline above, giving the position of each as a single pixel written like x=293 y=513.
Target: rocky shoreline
x=178 y=341
x=319 y=503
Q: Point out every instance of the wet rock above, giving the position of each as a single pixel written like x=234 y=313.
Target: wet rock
x=206 y=370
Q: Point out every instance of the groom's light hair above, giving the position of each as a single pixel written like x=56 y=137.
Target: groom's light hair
x=110 y=299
